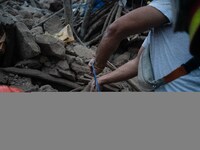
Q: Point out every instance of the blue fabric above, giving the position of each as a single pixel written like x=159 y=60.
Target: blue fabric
x=97 y=5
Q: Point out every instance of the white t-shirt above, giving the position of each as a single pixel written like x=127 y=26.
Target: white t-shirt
x=169 y=50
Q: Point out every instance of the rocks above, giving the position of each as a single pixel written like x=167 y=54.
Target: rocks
x=7 y=19
x=63 y=65
x=43 y=63
x=79 y=69
x=37 y=30
x=23 y=83
x=26 y=42
x=47 y=88
x=83 y=52
x=25 y=14
x=53 y=25
x=3 y=78
x=53 y=5
x=50 y=46
x=30 y=63
x=68 y=74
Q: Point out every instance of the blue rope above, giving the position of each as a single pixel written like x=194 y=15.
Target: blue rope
x=95 y=78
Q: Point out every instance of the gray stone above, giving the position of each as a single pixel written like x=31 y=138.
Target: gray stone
x=79 y=61
x=46 y=3
x=7 y=19
x=26 y=14
x=30 y=9
x=37 y=15
x=3 y=78
x=50 y=46
x=47 y=88
x=23 y=83
x=67 y=74
x=81 y=78
x=79 y=69
x=43 y=59
x=70 y=58
x=30 y=63
x=28 y=22
x=19 y=18
x=83 y=51
x=63 y=65
x=27 y=46
x=37 y=30
x=70 y=50
x=11 y=11
x=51 y=71
x=53 y=25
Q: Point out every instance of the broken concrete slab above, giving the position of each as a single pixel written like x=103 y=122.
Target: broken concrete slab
x=79 y=69
x=51 y=71
x=70 y=58
x=47 y=88
x=28 y=48
x=82 y=79
x=63 y=65
x=37 y=30
x=28 y=22
x=25 y=14
x=3 y=78
x=83 y=51
x=53 y=25
x=50 y=46
x=79 y=61
x=69 y=50
x=7 y=19
x=68 y=74
x=23 y=83
x=30 y=63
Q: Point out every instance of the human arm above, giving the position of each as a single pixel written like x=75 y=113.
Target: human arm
x=124 y=72
x=136 y=21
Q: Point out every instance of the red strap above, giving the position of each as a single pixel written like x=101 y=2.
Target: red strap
x=180 y=71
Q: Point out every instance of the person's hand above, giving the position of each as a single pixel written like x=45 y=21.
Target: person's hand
x=93 y=87
x=97 y=69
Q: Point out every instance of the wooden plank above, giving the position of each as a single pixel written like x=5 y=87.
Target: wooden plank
x=40 y=75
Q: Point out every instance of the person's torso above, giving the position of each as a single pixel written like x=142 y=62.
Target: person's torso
x=169 y=50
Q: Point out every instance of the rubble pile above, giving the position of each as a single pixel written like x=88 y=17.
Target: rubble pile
x=34 y=59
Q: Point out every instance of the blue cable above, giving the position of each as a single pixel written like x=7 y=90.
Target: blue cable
x=95 y=78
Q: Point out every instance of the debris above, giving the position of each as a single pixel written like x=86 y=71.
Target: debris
x=2 y=43
x=44 y=53
x=26 y=42
x=40 y=75
x=50 y=46
x=65 y=34
x=51 y=27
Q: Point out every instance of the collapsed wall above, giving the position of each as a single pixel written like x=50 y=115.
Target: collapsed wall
x=34 y=58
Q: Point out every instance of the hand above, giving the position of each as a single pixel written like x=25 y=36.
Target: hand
x=97 y=69
x=92 y=86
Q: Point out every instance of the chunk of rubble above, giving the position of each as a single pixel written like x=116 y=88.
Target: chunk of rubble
x=83 y=51
x=50 y=46
x=53 y=25
x=80 y=69
x=68 y=74
x=28 y=48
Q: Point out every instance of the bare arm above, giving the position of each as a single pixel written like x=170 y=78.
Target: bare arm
x=136 y=21
x=124 y=72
